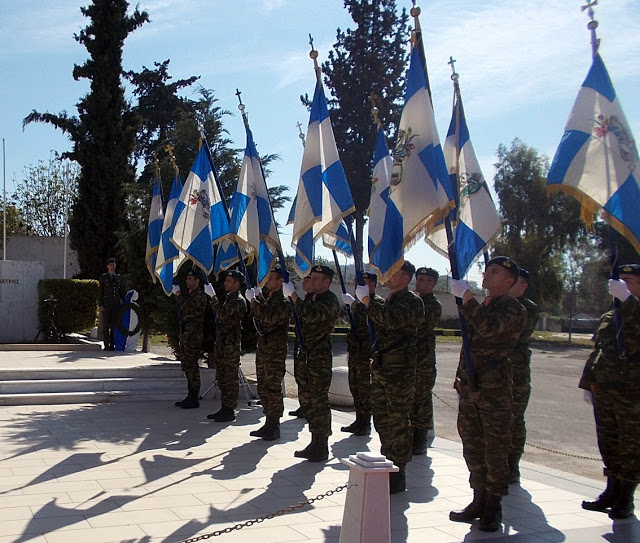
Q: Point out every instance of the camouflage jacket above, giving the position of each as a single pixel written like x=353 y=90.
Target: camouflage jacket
x=494 y=330
x=361 y=345
x=111 y=290
x=395 y=321
x=274 y=312
x=192 y=307
x=426 y=333
x=230 y=313
x=604 y=366
x=318 y=314
x=521 y=352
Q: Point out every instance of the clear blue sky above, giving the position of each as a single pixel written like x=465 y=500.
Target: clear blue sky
x=521 y=64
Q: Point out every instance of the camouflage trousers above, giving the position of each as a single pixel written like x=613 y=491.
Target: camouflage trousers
x=270 y=370
x=392 y=387
x=617 y=414
x=189 y=364
x=313 y=376
x=484 y=425
x=227 y=365
x=422 y=410
x=360 y=383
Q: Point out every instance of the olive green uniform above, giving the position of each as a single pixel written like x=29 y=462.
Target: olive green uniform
x=192 y=307
x=393 y=371
x=317 y=313
x=484 y=416
x=230 y=313
x=274 y=313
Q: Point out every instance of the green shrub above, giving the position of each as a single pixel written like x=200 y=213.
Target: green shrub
x=76 y=307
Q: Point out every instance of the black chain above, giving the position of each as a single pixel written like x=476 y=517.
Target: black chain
x=268 y=516
x=592 y=458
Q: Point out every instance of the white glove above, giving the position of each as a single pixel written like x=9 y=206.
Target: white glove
x=588 y=397
x=257 y=291
x=208 y=290
x=459 y=287
x=249 y=294
x=619 y=289
x=362 y=292
x=288 y=289
x=175 y=289
x=347 y=299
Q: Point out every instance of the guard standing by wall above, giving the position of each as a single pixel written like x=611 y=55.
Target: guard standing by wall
x=422 y=411
x=111 y=294
x=611 y=381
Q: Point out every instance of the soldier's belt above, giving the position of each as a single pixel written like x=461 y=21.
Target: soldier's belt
x=490 y=365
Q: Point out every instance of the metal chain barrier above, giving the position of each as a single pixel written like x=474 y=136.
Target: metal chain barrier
x=268 y=516
x=531 y=444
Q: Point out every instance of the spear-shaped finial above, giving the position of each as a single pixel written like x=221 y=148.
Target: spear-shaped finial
x=169 y=149
x=454 y=75
x=592 y=25
x=373 y=99
x=301 y=134
x=314 y=56
x=417 y=29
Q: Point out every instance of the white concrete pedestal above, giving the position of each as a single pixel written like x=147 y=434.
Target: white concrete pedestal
x=367 y=514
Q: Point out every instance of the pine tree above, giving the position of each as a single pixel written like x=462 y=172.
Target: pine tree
x=368 y=59
x=103 y=135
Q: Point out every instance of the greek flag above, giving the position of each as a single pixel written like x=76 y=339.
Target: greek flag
x=475 y=218
x=252 y=223
x=203 y=221
x=382 y=167
x=597 y=159
x=419 y=187
x=323 y=198
x=169 y=258
x=156 y=219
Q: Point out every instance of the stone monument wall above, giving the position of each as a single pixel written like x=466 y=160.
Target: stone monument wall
x=19 y=300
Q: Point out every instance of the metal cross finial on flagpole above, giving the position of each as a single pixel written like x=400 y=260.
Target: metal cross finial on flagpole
x=301 y=134
x=169 y=149
x=373 y=98
x=454 y=75
x=592 y=25
x=241 y=107
x=314 y=56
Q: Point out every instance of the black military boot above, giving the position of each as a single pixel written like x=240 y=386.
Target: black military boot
x=179 y=404
x=304 y=453
x=605 y=500
x=271 y=429
x=420 y=441
x=472 y=511
x=354 y=425
x=623 y=506
x=224 y=414
x=491 y=518
x=365 y=426
x=320 y=449
x=191 y=401
x=514 y=469
x=259 y=432
x=297 y=413
x=398 y=480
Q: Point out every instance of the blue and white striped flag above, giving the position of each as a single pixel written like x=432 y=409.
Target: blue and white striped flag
x=323 y=198
x=156 y=219
x=419 y=186
x=252 y=223
x=169 y=258
x=475 y=219
x=203 y=221
x=597 y=159
x=382 y=167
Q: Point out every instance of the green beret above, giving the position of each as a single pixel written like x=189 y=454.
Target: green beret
x=236 y=274
x=429 y=272
x=629 y=269
x=325 y=270
x=371 y=276
x=506 y=263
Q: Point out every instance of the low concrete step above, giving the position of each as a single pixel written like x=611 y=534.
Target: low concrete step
x=55 y=398
x=34 y=386
x=102 y=372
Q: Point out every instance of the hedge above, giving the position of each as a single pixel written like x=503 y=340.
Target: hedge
x=76 y=307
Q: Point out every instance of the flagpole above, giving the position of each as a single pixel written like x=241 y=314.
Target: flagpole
x=4 y=222
x=281 y=259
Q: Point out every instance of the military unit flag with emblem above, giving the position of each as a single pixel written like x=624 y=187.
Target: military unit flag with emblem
x=154 y=230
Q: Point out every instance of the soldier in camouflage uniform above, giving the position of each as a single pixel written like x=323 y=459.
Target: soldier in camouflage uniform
x=422 y=411
x=230 y=313
x=318 y=314
x=612 y=383
x=484 y=416
x=521 y=365
x=298 y=356
x=111 y=294
x=274 y=314
x=393 y=371
x=192 y=307
x=360 y=352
